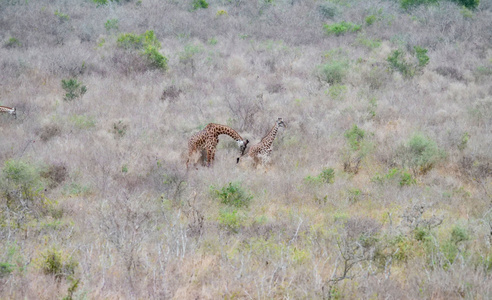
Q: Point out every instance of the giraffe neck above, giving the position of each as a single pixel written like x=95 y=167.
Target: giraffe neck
x=268 y=139
x=222 y=129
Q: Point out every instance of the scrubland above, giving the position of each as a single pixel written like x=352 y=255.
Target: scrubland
x=379 y=187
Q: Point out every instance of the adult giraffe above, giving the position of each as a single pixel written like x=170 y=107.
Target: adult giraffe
x=208 y=138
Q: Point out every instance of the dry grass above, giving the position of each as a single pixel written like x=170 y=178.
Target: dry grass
x=102 y=179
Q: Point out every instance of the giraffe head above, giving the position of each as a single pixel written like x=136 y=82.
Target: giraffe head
x=242 y=145
x=14 y=112
x=280 y=123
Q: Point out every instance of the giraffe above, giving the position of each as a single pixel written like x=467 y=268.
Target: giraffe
x=208 y=138
x=261 y=151
x=9 y=110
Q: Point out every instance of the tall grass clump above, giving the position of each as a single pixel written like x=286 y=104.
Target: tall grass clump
x=147 y=45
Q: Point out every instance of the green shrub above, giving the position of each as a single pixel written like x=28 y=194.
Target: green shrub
x=55 y=263
x=423 y=153
x=470 y=4
x=18 y=175
x=406 y=4
x=406 y=179
x=197 y=4
x=357 y=149
x=105 y=2
x=367 y=42
x=328 y=9
x=231 y=219
x=233 y=195
x=12 y=43
x=327 y=175
x=61 y=16
x=421 y=55
x=459 y=234
x=341 y=28
x=73 y=88
x=5 y=269
x=398 y=62
x=111 y=25
x=333 y=72
x=403 y=177
x=354 y=137
x=148 y=46
x=337 y=91
x=370 y=20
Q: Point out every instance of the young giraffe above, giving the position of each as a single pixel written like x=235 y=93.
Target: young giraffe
x=9 y=110
x=262 y=150
x=208 y=138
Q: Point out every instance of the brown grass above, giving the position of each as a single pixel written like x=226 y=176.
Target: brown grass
x=108 y=171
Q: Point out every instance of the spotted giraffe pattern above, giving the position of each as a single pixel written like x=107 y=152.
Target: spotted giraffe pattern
x=208 y=138
x=9 y=110
x=261 y=151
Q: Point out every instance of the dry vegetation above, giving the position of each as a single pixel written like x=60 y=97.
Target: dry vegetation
x=379 y=187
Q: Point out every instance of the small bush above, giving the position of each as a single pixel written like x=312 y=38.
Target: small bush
x=73 y=88
x=55 y=263
x=333 y=72
x=155 y=59
x=119 y=129
x=337 y=91
x=55 y=174
x=406 y=179
x=370 y=20
x=367 y=42
x=61 y=16
x=328 y=10
x=327 y=175
x=171 y=93
x=420 y=154
x=406 y=4
x=231 y=219
x=49 y=131
x=12 y=43
x=398 y=62
x=221 y=13
x=197 y=4
x=354 y=137
x=470 y=4
x=18 y=175
x=147 y=45
x=111 y=25
x=5 y=269
x=421 y=55
x=356 y=150
x=341 y=28
x=233 y=195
